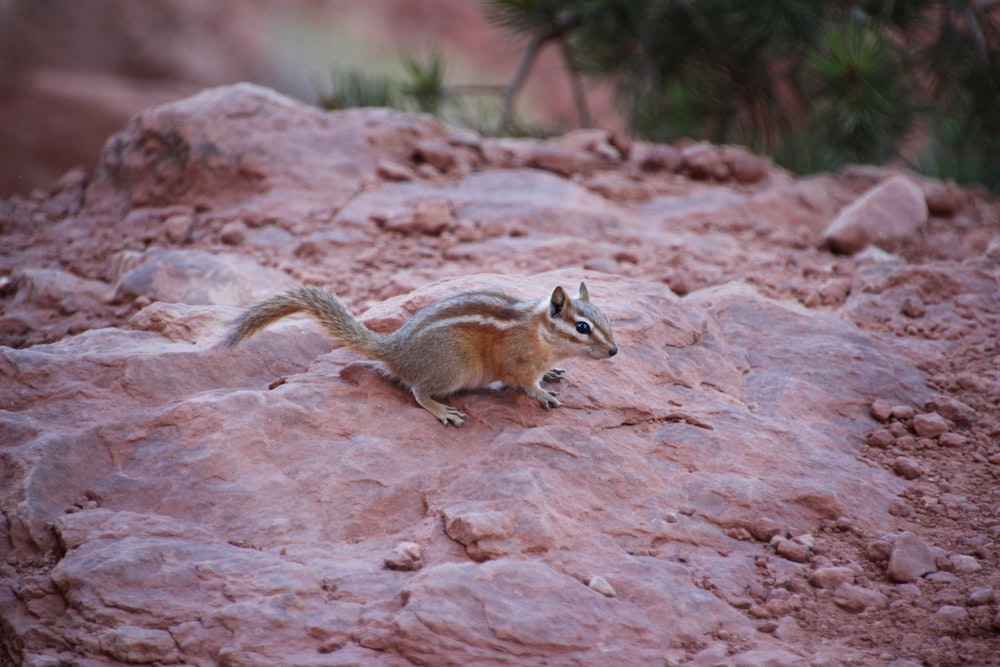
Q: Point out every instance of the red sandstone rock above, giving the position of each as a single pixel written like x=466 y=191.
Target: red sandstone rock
x=887 y=215
x=272 y=503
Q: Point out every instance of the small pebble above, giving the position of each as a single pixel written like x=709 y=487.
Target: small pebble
x=881 y=439
x=233 y=232
x=856 y=599
x=949 y=618
x=405 y=556
x=981 y=596
x=793 y=551
x=903 y=412
x=900 y=507
x=831 y=577
x=879 y=551
x=913 y=307
x=601 y=585
x=942 y=578
x=965 y=564
x=881 y=410
x=898 y=430
x=907 y=468
x=929 y=424
x=805 y=540
x=764 y=529
x=911 y=559
x=951 y=440
x=767 y=627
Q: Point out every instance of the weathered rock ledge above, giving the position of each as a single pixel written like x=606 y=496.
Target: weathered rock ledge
x=791 y=462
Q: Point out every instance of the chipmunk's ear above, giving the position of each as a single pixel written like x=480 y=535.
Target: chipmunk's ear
x=584 y=294
x=557 y=302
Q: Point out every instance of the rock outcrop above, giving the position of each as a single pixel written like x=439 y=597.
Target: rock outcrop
x=725 y=490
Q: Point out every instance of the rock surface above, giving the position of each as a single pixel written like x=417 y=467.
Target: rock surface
x=712 y=495
x=886 y=216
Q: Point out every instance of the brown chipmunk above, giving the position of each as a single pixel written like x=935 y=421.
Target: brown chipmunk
x=462 y=342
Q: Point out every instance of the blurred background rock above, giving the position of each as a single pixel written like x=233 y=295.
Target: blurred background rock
x=72 y=72
x=817 y=86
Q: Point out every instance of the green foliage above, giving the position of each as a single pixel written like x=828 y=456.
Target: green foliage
x=422 y=89
x=863 y=109
x=424 y=83
x=355 y=89
x=816 y=83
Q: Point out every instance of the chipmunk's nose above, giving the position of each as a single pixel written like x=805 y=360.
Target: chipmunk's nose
x=613 y=351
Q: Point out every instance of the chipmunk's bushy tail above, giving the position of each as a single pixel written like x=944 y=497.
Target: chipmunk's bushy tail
x=322 y=305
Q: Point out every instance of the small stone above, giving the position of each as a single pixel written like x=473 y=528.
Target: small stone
x=767 y=627
x=881 y=439
x=952 y=439
x=911 y=558
x=793 y=551
x=929 y=424
x=601 y=585
x=856 y=599
x=656 y=157
x=951 y=409
x=981 y=596
x=764 y=529
x=942 y=578
x=903 y=412
x=943 y=199
x=741 y=602
x=670 y=517
x=913 y=307
x=747 y=167
x=429 y=216
x=881 y=410
x=687 y=510
x=436 y=153
x=879 y=551
x=898 y=430
x=177 y=228
x=834 y=292
x=965 y=564
x=405 y=557
x=233 y=232
x=805 y=540
x=907 y=468
x=469 y=528
x=393 y=171
x=703 y=161
x=949 y=618
x=831 y=577
x=900 y=507
x=888 y=215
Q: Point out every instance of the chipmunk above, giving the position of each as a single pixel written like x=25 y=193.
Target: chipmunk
x=462 y=342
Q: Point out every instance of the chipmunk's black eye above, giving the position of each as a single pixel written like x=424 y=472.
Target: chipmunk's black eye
x=583 y=327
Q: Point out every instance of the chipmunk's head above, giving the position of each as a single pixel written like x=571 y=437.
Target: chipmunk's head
x=580 y=327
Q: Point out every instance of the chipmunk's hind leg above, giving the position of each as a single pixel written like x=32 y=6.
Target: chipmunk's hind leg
x=445 y=413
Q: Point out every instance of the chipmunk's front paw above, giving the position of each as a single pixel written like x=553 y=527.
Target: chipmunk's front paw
x=545 y=397
x=555 y=375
